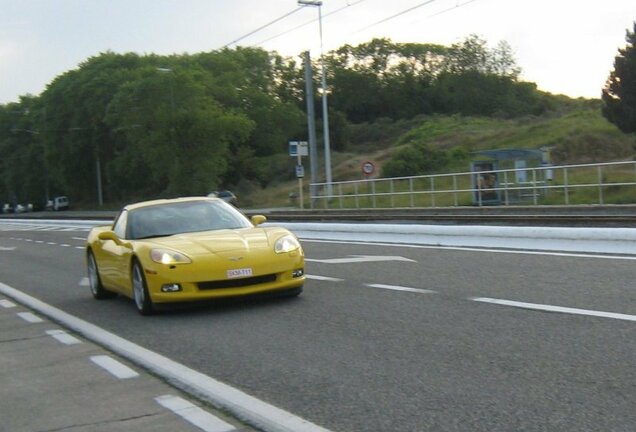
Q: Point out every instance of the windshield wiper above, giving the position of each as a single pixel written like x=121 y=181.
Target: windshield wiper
x=153 y=236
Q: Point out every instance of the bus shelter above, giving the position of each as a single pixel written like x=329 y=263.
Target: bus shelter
x=488 y=183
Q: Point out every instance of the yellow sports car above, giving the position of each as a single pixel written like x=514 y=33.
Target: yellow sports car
x=190 y=249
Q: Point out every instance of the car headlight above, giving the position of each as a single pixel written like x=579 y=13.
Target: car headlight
x=167 y=256
x=286 y=243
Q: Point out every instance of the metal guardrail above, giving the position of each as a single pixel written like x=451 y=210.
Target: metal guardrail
x=602 y=183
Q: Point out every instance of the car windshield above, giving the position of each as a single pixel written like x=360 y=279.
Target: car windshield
x=183 y=217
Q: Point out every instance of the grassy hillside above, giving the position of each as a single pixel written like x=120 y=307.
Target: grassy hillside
x=580 y=135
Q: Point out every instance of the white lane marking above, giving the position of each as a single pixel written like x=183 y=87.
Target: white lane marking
x=79 y=238
x=7 y=304
x=359 y=259
x=193 y=414
x=323 y=278
x=51 y=243
x=473 y=249
x=550 y=308
x=3 y=248
x=238 y=403
x=115 y=367
x=65 y=245
x=401 y=288
x=62 y=336
x=79 y=247
x=39 y=241
x=84 y=282
x=30 y=317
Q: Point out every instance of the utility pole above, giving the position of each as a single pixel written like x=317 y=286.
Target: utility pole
x=325 y=115
x=311 y=125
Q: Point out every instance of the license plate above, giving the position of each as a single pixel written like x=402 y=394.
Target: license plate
x=238 y=273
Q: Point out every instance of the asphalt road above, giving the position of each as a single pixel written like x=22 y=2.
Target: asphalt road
x=397 y=345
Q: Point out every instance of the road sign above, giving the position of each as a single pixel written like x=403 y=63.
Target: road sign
x=300 y=171
x=298 y=148
x=368 y=168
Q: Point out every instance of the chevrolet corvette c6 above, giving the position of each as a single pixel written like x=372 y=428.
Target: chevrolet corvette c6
x=190 y=249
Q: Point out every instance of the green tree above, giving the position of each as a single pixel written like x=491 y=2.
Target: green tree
x=619 y=93
x=416 y=159
x=23 y=175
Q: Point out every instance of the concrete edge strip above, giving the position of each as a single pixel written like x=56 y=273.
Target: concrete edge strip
x=533 y=232
x=245 y=407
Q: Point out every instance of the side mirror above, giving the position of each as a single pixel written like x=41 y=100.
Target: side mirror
x=110 y=235
x=258 y=219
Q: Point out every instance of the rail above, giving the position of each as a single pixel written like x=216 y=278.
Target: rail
x=601 y=183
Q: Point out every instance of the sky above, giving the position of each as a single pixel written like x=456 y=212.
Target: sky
x=564 y=46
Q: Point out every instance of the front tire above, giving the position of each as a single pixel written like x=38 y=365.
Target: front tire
x=143 y=302
x=94 y=281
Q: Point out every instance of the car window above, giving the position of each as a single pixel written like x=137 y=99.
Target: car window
x=182 y=217
x=119 y=227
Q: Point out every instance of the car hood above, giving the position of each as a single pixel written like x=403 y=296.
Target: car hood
x=220 y=241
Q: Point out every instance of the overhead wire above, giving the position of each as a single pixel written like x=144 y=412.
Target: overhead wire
x=262 y=27
x=308 y=22
x=457 y=6
x=382 y=21
x=349 y=4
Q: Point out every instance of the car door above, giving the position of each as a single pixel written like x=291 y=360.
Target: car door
x=115 y=257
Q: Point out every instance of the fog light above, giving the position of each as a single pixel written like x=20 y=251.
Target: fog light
x=298 y=273
x=169 y=288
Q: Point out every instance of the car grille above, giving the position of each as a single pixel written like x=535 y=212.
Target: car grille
x=237 y=283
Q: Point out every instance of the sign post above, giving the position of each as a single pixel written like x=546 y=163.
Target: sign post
x=299 y=149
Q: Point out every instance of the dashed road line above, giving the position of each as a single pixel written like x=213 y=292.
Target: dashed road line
x=401 y=288
x=194 y=415
x=115 y=367
x=63 y=337
x=324 y=278
x=30 y=317
x=560 y=309
x=502 y=302
x=42 y=242
x=234 y=401
x=31 y=227
x=7 y=304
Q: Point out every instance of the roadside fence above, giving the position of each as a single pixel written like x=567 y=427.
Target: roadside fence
x=601 y=183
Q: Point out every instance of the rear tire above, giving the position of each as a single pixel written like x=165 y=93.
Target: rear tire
x=143 y=302
x=94 y=281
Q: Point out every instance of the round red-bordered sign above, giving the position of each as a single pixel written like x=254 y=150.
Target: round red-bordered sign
x=368 y=168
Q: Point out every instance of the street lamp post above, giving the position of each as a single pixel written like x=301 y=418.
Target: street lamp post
x=170 y=71
x=325 y=115
x=98 y=164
